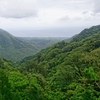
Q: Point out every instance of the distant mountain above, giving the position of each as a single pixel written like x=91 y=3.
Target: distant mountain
x=42 y=42
x=17 y=48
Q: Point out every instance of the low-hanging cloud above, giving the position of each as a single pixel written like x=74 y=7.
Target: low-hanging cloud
x=18 y=8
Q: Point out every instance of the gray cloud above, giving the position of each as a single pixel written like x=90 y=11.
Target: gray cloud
x=85 y=12
x=18 y=8
x=65 y=18
x=77 y=18
x=49 y=13
x=96 y=6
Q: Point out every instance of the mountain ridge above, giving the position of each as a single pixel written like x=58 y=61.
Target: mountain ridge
x=86 y=32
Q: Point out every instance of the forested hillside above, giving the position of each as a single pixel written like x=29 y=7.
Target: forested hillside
x=71 y=69
x=14 y=49
x=64 y=71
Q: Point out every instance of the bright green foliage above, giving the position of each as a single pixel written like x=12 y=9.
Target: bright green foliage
x=24 y=87
x=5 y=88
x=91 y=74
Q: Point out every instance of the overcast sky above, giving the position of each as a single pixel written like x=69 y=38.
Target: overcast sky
x=48 y=17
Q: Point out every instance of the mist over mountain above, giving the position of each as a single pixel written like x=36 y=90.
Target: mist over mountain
x=45 y=32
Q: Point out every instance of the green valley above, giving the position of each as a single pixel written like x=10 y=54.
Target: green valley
x=16 y=48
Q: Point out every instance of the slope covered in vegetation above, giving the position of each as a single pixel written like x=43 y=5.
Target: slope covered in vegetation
x=72 y=70
x=64 y=71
